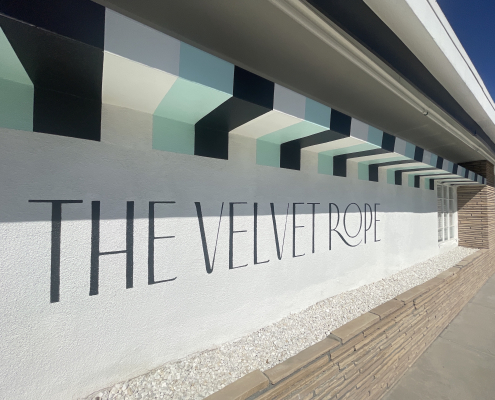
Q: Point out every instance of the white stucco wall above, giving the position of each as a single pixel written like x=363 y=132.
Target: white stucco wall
x=67 y=349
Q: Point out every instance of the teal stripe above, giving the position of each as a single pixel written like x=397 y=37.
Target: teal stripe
x=198 y=66
x=317 y=113
x=375 y=136
x=410 y=149
x=433 y=160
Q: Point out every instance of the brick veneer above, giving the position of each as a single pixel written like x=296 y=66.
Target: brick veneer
x=476 y=216
x=483 y=168
x=366 y=356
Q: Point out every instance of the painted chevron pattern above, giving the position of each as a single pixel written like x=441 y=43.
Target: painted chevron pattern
x=91 y=55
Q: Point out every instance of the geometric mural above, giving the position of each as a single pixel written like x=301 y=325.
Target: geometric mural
x=60 y=60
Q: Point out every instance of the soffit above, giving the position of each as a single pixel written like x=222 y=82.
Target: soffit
x=427 y=33
x=260 y=37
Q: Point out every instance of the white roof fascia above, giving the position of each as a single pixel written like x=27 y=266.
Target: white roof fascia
x=424 y=29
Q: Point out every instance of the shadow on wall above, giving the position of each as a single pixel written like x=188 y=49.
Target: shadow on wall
x=42 y=170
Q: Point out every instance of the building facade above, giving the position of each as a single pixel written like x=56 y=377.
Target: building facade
x=176 y=175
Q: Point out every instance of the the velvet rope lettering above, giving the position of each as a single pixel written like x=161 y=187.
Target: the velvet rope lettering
x=338 y=230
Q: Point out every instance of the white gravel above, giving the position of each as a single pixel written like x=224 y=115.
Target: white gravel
x=202 y=374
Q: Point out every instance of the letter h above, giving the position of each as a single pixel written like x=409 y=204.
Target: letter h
x=95 y=246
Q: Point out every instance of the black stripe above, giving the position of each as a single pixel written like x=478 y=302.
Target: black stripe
x=67 y=78
x=454 y=168
x=388 y=142
x=340 y=123
x=252 y=97
x=399 y=172
x=81 y=20
x=373 y=168
x=416 y=181
x=439 y=162
x=418 y=154
x=340 y=161
x=290 y=152
x=432 y=184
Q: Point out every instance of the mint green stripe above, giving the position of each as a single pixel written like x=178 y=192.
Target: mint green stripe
x=16 y=90
x=391 y=176
x=174 y=136
x=325 y=164
x=363 y=172
x=184 y=104
x=411 y=180
x=10 y=67
x=267 y=153
x=189 y=101
x=292 y=132
x=268 y=146
x=16 y=105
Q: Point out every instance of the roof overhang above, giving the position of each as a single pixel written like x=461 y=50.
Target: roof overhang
x=290 y=43
x=423 y=27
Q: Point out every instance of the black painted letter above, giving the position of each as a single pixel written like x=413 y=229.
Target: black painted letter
x=367 y=228
x=151 y=242
x=294 y=231
x=231 y=236
x=209 y=267
x=313 y=237
x=95 y=247
x=279 y=252
x=335 y=228
x=256 y=236
x=360 y=222
x=376 y=220
x=55 y=254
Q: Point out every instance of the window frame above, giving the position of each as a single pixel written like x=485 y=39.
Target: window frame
x=448 y=199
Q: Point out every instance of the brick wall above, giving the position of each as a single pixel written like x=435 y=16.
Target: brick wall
x=476 y=216
x=365 y=357
x=483 y=168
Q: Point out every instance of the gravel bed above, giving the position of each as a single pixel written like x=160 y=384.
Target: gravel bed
x=201 y=374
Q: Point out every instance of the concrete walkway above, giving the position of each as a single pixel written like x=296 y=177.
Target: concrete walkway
x=460 y=363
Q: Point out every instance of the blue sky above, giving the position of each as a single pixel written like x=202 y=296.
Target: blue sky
x=474 y=23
